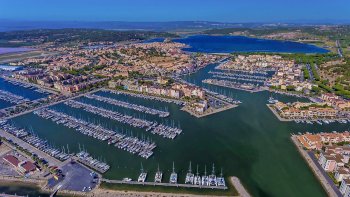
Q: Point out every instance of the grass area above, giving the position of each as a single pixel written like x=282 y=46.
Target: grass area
x=231 y=191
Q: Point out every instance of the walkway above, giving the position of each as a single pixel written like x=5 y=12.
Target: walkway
x=326 y=183
x=162 y=184
x=239 y=187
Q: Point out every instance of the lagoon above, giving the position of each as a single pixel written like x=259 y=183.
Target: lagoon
x=230 y=44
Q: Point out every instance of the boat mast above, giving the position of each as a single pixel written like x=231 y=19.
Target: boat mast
x=173 y=167
x=213 y=172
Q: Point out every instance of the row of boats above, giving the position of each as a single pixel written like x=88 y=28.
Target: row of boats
x=35 y=141
x=12 y=98
x=141 y=147
x=135 y=107
x=27 y=85
x=85 y=158
x=160 y=129
x=323 y=121
x=232 y=84
x=192 y=179
x=239 y=78
x=143 y=96
x=239 y=75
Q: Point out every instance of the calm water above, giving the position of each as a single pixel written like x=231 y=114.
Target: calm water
x=248 y=142
x=4 y=50
x=18 y=90
x=24 y=190
x=229 y=44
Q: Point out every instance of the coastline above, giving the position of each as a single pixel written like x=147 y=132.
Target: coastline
x=316 y=171
x=277 y=115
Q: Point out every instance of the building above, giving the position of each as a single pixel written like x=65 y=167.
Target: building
x=26 y=167
x=328 y=162
x=12 y=160
x=342 y=173
x=345 y=187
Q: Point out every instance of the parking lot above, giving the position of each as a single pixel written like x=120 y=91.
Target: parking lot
x=76 y=178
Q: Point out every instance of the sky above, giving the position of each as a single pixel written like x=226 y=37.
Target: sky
x=176 y=10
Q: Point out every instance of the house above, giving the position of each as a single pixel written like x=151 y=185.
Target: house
x=328 y=162
x=26 y=167
x=342 y=173
x=345 y=187
x=12 y=160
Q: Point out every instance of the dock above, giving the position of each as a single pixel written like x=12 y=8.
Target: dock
x=164 y=184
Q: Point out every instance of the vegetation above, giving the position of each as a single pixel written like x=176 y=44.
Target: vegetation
x=69 y=36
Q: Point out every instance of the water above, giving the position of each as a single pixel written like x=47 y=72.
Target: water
x=22 y=189
x=229 y=44
x=18 y=90
x=4 y=50
x=247 y=141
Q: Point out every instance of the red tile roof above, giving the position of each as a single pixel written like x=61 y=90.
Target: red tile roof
x=12 y=160
x=28 y=166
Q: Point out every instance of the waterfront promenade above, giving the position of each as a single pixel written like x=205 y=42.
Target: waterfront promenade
x=324 y=179
x=239 y=187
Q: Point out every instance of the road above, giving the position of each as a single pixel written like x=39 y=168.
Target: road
x=340 y=52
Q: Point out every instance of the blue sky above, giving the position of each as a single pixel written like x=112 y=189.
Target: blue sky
x=177 y=10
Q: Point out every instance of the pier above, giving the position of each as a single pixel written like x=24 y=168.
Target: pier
x=160 y=129
x=12 y=98
x=141 y=147
x=34 y=141
x=230 y=84
x=135 y=107
x=164 y=184
x=85 y=158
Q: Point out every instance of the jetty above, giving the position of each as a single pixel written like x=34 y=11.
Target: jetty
x=12 y=98
x=135 y=107
x=163 y=130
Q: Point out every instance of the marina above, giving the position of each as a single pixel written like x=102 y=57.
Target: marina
x=141 y=147
x=160 y=129
x=85 y=158
x=234 y=85
x=35 y=141
x=27 y=85
x=140 y=108
x=12 y=98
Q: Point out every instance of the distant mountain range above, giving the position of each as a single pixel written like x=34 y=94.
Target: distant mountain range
x=11 y=25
